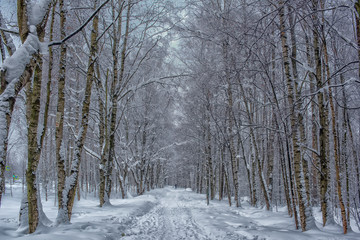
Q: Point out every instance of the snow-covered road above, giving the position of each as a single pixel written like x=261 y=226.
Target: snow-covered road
x=168 y=214
x=182 y=214
x=169 y=219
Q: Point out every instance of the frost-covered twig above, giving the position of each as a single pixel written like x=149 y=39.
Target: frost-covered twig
x=91 y=153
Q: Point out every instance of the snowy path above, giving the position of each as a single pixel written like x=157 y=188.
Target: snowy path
x=170 y=219
x=180 y=214
x=166 y=214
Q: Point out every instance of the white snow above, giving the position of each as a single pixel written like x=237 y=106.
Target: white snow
x=38 y=10
x=162 y=214
x=15 y=65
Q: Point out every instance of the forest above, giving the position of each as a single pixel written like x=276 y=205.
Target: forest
x=247 y=102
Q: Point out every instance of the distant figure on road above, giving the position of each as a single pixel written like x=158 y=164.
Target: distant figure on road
x=175 y=186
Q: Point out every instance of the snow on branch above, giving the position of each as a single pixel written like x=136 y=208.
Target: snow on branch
x=91 y=153
x=38 y=11
x=15 y=65
x=145 y=83
x=9 y=31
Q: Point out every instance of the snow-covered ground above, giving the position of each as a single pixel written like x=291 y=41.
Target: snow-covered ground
x=163 y=214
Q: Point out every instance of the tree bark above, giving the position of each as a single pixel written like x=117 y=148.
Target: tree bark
x=293 y=118
x=6 y=38
x=357 y=19
x=208 y=150
x=35 y=146
x=60 y=151
x=69 y=191
x=103 y=135
x=335 y=139
x=11 y=85
x=117 y=79
x=323 y=116
x=314 y=127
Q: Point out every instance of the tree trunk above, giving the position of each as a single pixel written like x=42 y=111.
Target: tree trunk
x=6 y=38
x=260 y=171
x=60 y=151
x=293 y=118
x=285 y=180
x=335 y=140
x=117 y=79
x=208 y=151
x=103 y=134
x=314 y=128
x=227 y=185
x=221 y=174
x=357 y=19
x=323 y=116
x=247 y=166
x=34 y=147
x=356 y=161
x=13 y=82
x=69 y=192
x=304 y=177
x=33 y=110
x=255 y=154
x=270 y=158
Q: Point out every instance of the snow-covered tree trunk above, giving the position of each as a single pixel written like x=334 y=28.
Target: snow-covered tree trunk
x=230 y=133
x=221 y=174
x=357 y=19
x=285 y=179
x=208 y=151
x=227 y=186
x=255 y=154
x=34 y=147
x=24 y=214
x=248 y=172
x=344 y=154
x=6 y=38
x=357 y=165
x=314 y=126
x=103 y=135
x=303 y=186
x=115 y=88
x=71 y=181
x=270 y=157
x=17 y=70
x=109 y=150
x=335 y=139
x=291 y=96
x=35 y=137
x=323 y=120
x=60 y=151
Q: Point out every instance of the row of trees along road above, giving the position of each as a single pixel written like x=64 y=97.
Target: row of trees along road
x=266 y=108
x=271 y=107
x=91 y=108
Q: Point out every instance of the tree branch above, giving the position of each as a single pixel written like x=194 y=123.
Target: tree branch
x=80 y=28
x=9 y=31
